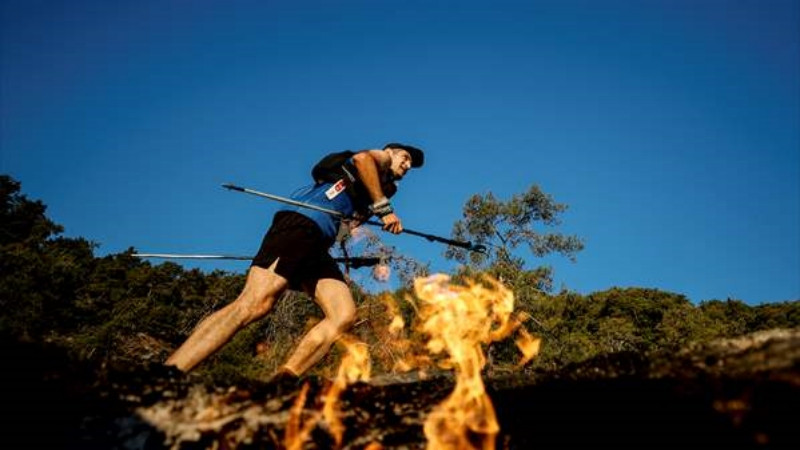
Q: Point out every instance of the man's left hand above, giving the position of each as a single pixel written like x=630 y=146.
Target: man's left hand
x=392 y=224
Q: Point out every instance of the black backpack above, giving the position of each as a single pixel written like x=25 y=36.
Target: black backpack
x=334 y=167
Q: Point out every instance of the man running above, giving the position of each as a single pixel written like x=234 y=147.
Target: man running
x=294 y=255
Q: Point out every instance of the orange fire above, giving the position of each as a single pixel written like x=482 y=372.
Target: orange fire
x=355 y=366
x=528 y=345
x=407 y=354
x=297 y=430
x=397 y=324
x=459 y=319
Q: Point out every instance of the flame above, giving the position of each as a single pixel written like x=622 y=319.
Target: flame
x=528 y=345
x=397 y=324
x=355 y=366
x=297 y=431
x=458 y=320
x=407 y=354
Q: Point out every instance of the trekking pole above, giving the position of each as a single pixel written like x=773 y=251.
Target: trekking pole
x=465 y=245
x=180 y=256
x=355 y=262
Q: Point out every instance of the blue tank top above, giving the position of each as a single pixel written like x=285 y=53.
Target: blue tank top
x=316 y=195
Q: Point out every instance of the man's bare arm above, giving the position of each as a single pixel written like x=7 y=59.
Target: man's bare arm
x=368 y=164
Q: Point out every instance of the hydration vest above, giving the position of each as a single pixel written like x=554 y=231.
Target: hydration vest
x=339 y=166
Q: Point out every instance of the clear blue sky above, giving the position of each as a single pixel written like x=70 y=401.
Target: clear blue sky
x=670 y=128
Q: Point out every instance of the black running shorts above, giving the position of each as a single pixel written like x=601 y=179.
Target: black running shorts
x=301 y=249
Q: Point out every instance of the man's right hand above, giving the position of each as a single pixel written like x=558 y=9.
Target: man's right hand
x=392 y=224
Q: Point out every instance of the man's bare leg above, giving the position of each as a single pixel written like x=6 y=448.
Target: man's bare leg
x=336 y=301
x=261 y=289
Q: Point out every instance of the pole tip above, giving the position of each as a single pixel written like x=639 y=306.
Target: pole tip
x=232 y=187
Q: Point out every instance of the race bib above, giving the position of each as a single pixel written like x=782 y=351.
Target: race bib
x=335 y=190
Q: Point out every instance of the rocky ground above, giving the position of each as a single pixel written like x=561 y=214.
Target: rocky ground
x=736 y=393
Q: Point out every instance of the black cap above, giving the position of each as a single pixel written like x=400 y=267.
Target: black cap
x=417 y=156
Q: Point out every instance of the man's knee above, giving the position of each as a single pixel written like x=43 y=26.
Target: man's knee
x=259 y=293
x=336 y=301
x=254 y=305
x=345 y=318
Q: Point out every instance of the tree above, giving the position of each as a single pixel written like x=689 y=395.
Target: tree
x=22 y=221
x=39 y=272
x=503 y=227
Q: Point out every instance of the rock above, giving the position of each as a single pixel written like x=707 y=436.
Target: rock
x=733 y=393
